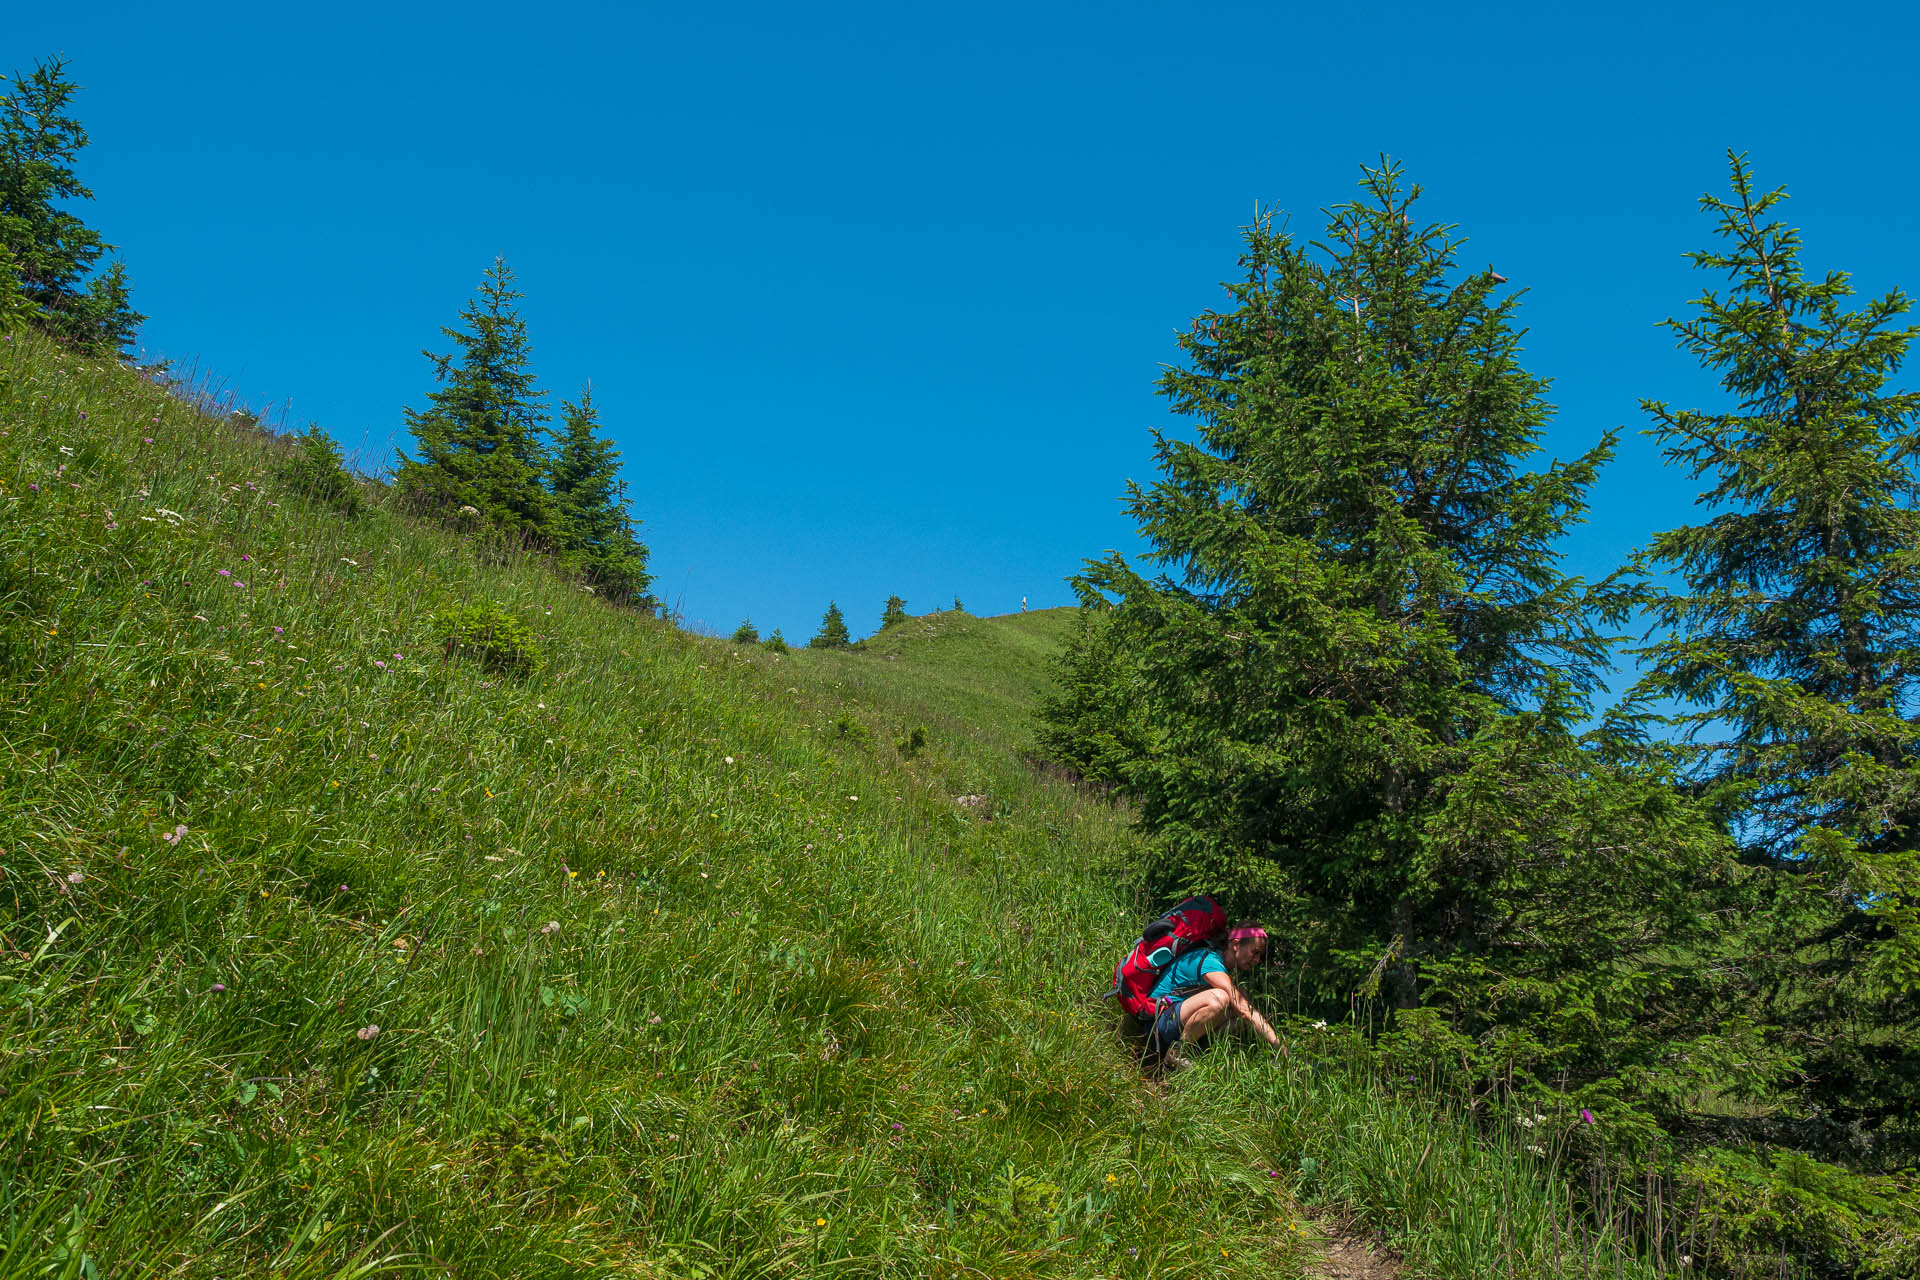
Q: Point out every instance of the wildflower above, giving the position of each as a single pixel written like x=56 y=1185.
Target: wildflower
x=218 y=986
x=572 y=874
x=279 y=631
x=896 y=1126
x=379 y=664
x=654 y=1021
x=174 y=836
x=1586 y=1116
x=853 y=797
x=244 y=559
x=367 y=1032
x=146 y=439
x=353 y=564
x=226 y=573
x=75 y=877
x=819 y=1222
x=1320 y=1025
x=34 y=487
x=1111 y=1179
x=729 y=759
x=552 y=927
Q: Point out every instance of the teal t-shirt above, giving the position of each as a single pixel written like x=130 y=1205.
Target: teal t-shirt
x=1188 y=971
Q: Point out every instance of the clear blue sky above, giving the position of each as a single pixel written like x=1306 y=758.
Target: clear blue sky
x=873 y=297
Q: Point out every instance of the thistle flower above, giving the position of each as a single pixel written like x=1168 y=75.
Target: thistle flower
x=1586 y=1116
x=218 y=986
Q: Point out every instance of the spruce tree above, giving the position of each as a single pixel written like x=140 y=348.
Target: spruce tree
x=1794 y=643
x=590 y=502
x=746 y=632
x=833 y=630
x=894 y=614
x=53 y=253
x=482 y=436
x=1361 y=663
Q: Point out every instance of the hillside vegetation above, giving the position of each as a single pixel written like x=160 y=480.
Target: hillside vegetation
x=372 y=902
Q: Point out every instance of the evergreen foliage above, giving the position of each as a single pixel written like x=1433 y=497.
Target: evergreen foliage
x=53 y=253
x=833 y=630
x=894 y=614
x=590 y=502
x=775 y=642
x=1360 y=590
x=1093 y=719
x=482 y=437
x=317 y=471
x=746 y=632
x=1794 y=644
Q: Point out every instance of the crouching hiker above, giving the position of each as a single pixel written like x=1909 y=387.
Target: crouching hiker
x=1196 y=995
x=1174 y=984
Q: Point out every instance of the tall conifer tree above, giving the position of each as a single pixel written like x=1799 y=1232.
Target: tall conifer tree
x=590 y=502
x=1354 y=686
x=1795 y=642
x=53 y=253
x=482 y=438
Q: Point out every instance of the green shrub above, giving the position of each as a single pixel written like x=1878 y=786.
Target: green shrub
x=849 y=729
x=491 y=636
x=317 y=472
x=913 y=744
x=775 y=643
x=746 y=632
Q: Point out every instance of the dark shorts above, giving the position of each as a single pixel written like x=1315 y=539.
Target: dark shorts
x=1165 y=1032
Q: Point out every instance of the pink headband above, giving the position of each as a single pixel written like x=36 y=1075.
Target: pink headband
x=1245 y=932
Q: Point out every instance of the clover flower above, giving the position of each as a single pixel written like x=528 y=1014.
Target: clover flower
x=174 y=836
x=367 y=1032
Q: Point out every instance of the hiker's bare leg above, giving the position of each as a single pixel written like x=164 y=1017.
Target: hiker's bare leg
x=1201 y=1014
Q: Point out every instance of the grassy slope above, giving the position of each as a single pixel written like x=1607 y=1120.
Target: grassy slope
x=678 y=968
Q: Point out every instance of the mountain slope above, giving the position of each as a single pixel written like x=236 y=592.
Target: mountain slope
x=330 y=944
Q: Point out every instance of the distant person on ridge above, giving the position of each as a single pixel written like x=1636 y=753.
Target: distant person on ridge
x=1196 y=994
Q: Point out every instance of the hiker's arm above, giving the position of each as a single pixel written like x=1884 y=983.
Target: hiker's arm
x=1242 y=1007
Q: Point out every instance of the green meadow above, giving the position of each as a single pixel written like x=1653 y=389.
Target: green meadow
x=342 y=934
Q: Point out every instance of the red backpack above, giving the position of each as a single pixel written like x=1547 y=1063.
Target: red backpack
x=1193 y=923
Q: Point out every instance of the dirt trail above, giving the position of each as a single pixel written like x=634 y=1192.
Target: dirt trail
x=1352 y=1254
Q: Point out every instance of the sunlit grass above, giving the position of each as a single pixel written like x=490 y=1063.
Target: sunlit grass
x=322 y=953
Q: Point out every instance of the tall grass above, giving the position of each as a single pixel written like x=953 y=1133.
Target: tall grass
x=325 y=953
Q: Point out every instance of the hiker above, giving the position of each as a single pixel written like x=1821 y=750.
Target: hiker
x=1196 y=995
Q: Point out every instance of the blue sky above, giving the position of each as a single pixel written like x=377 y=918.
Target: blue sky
x=873 y=297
